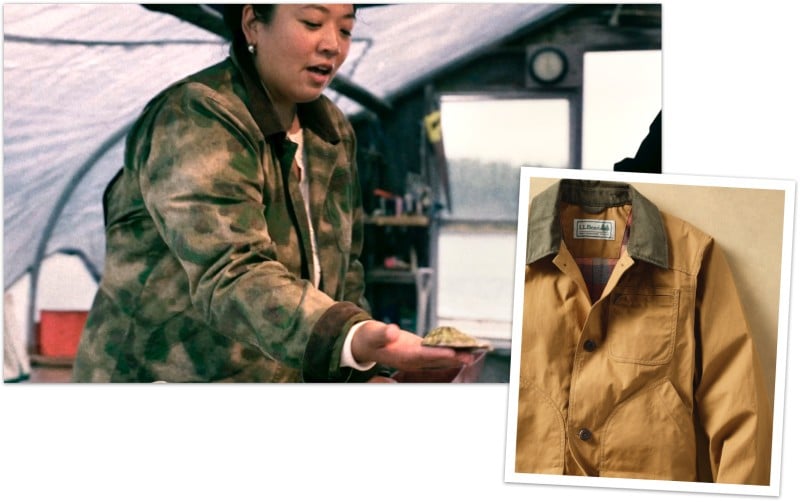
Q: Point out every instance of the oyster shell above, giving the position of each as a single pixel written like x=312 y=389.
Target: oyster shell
x=448 y=336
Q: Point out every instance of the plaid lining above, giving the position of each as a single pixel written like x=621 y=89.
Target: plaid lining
x=597 y=271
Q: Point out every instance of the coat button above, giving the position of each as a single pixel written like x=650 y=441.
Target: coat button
x=589 y=345
x=585 y=434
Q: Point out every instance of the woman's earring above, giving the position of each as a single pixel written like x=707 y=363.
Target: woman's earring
x=251 y=49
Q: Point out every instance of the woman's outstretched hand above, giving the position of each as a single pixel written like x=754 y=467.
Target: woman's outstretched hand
x=391 y=346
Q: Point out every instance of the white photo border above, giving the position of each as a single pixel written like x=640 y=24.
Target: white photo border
x=788 y=187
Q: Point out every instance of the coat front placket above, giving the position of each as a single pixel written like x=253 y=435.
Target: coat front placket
x=585 y=412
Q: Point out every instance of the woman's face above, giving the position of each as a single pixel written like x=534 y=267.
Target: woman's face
x=299 y=51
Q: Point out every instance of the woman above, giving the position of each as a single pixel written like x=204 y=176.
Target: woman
x=234 y=228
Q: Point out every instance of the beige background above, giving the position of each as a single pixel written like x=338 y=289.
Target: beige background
x=748 y=224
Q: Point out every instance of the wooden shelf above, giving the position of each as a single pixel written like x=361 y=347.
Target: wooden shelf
x=390 y=276
x=406 y=220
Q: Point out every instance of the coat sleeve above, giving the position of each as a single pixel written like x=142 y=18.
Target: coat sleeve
x=731 y=398
x=202 y=181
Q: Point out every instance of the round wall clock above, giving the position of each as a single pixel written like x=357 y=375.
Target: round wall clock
x=547 y=65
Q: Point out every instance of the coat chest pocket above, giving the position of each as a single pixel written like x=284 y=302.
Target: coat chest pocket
x=642 y=325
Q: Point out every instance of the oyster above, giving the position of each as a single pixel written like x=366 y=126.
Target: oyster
x=447 y=336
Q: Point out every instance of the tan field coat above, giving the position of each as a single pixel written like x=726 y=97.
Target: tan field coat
x=657 y=376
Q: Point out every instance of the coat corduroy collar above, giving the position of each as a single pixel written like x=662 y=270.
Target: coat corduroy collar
x=647 y=241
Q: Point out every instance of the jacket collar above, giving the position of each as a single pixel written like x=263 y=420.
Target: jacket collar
x=313 y=115
x=647 y=240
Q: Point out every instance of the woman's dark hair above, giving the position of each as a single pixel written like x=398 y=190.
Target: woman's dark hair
x=232 y=16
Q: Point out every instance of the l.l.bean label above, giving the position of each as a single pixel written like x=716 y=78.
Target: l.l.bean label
x=594 y=229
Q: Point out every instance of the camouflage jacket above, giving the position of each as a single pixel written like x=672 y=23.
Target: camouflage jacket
x=207 y=243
